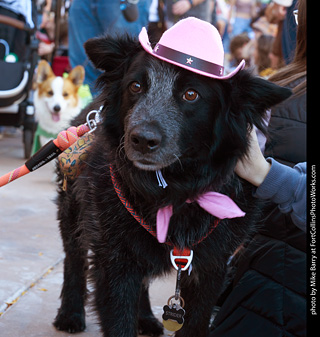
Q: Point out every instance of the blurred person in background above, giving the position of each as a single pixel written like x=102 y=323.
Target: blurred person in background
x=157 y=25
x=289 y=34
x=276 y=13
x=262 y=60
x=180 y=9
x=222 y=16
x=257 y=51
x=240 y=15
x=237 y=45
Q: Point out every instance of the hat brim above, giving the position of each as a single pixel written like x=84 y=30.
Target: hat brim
x=145 y=43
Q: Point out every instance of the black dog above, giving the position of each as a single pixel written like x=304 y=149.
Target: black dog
x=156 y=116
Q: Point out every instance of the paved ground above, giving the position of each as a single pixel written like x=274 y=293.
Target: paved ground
x=31 y=253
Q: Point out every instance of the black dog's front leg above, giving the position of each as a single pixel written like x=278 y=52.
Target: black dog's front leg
x=200 y=293
x=117 y=295
x=71 y=315
x=148 y=324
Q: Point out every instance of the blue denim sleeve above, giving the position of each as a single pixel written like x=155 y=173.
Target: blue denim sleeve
x=286 y=187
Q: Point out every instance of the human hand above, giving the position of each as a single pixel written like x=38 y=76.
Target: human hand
x=253 y=167
x=181 y=7
x=45 y=48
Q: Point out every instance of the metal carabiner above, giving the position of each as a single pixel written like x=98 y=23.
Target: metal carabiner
x=93 y=123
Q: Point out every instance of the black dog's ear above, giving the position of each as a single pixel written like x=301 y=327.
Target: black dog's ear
x=107 y=53
x=252 y=96
x=262 y=93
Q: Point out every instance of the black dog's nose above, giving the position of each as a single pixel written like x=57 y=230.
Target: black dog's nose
x=57 y=108
x=145 y=138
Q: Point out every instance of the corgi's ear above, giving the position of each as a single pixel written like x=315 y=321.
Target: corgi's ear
x=44 y=72
x=76 y=76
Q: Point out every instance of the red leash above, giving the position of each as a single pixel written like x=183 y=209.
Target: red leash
x=48 y=152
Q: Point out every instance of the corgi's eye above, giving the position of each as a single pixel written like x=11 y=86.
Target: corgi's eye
x=190 y=95
x=135 y=87
x=65 y=94
x=50 y=93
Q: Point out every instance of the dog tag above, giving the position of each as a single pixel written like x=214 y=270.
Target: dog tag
x=173 y=316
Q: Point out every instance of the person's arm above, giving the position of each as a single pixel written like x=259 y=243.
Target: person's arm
x=276 y=182
x=46 y=13
x=286 y=186
x=182 y=6
x=231 y=9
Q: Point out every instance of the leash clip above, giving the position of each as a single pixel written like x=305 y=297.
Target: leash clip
x=182 y=259
x=93 y=122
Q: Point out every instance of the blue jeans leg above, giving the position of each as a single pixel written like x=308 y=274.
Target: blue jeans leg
x=240 y=26
x=82 y=26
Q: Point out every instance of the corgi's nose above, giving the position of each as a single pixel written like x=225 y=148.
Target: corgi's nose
x=145 y=139
x=57 y=108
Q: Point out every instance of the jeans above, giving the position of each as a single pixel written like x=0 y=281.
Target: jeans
x=91 y=18
x=242 y=25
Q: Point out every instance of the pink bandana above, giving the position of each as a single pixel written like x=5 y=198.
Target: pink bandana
x=217 y=204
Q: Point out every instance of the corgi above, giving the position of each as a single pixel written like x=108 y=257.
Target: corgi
x=56 y=102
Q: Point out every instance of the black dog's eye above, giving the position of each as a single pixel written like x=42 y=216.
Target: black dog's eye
x=135 y=87
x=190 y=95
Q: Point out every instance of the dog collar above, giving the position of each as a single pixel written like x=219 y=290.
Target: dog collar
x=180 y=258
x=222 y=208
x=140 y=220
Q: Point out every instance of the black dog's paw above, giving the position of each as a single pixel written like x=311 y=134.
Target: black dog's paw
x=70 y=322
x=150 y=327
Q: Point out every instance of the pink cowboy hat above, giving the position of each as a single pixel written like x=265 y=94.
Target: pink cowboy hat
x=192 y=44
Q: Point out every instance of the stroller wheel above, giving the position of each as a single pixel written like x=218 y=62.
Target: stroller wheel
x=28 y=141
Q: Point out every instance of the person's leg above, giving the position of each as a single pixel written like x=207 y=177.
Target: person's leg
x=144 y=6
x=241 y=25
x=118 y=24
x=82 y=26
